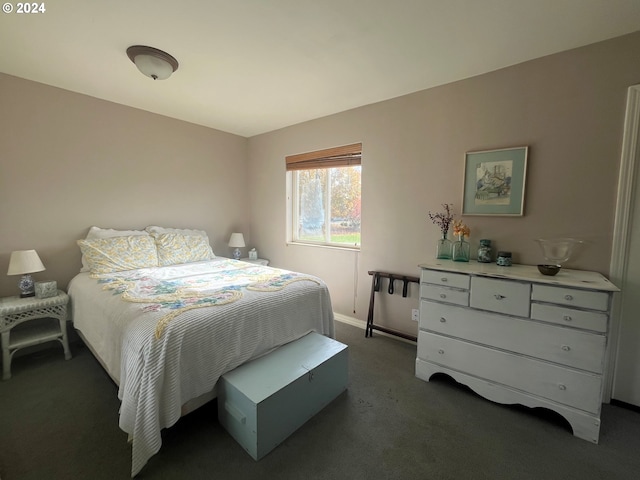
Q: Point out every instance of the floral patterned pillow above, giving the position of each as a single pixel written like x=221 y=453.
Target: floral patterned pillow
x=107 y=255
x=97 y=232
x=176 y=248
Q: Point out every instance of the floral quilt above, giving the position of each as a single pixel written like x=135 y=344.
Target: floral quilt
x=180 y=288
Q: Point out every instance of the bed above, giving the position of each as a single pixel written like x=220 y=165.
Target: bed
x=166 y=318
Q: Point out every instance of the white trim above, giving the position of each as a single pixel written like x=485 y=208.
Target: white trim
x=356 y=322
x=622 y=225
x=334 y=246
x=338 y=317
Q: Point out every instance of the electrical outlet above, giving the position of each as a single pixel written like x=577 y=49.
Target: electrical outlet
x=415 y=315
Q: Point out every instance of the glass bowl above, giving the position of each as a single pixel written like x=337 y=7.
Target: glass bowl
x=558 y=250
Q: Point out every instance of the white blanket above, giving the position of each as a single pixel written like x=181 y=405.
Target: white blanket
x=166 y=334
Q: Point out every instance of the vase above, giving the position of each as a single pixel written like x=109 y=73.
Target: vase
x=443 y=250
x=460 y=250
x=484 y=251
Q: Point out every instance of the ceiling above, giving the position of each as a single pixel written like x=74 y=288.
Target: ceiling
x=253 y=66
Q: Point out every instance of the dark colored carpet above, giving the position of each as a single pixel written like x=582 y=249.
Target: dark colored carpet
x=59 y=420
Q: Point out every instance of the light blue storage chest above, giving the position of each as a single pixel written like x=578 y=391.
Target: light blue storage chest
x=264 y=401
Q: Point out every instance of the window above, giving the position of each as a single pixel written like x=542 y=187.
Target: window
x=325 y=196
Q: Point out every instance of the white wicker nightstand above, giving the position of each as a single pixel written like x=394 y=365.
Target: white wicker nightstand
x=16 y=310
x=259 y=261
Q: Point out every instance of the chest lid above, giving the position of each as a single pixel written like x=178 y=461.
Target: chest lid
x=259 y=378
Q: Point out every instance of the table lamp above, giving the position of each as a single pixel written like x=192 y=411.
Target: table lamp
x=236 y=241
x=25 y=262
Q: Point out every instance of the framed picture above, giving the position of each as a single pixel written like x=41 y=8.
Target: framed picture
x=494 y=182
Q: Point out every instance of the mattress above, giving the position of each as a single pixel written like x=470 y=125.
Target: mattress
x=166 y=334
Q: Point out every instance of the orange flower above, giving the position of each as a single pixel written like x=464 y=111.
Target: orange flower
x=460 y=228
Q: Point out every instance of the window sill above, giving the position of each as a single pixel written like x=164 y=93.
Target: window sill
x=354 y=248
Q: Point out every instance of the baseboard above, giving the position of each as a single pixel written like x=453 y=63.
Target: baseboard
x=628 y=406
x=363 y=325
x=350 y=320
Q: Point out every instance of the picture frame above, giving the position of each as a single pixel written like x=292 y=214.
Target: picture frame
x=494 y=182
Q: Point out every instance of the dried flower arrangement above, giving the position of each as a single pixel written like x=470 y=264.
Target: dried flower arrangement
x=460 y=229
x=443 y=219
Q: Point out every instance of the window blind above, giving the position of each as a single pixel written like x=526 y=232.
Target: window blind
x=344 y=156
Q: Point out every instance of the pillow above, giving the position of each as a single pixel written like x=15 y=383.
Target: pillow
x=155 y=230
x=175 y=248
x=97 y=232
x=107 y=255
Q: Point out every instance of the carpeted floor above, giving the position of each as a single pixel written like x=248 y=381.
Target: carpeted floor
x=59 y=420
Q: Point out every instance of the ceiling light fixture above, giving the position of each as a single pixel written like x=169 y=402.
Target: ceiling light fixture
x=152 y=62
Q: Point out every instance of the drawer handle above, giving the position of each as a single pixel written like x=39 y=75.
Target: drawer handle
x=562 y=387
x=443 y=320
x=441 y=352
x=568 y=297
x=444 y=279
x=566 y=348
x=499 y=297
x=443 y=295
x=567 y=318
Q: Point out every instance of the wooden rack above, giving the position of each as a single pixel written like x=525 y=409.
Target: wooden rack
x=375 y=287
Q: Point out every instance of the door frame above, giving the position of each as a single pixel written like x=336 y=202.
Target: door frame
x=623 y=223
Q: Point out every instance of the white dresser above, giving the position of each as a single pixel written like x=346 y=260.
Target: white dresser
x=514 y=335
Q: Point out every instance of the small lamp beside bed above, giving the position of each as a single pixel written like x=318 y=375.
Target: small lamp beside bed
x=25 y=262
x=237 y=241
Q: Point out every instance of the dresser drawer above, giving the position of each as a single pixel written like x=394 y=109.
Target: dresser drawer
x=456 y=280
x=574 y=348
x=502 y=296
x=571 y=296
x=570 y=387
x=444 y=294
x=588 y=320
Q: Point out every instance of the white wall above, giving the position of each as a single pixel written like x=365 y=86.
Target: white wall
x=69 y=161
x=568 y=108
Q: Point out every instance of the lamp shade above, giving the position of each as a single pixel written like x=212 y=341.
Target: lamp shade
x=236 y=240
x=23 y=262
